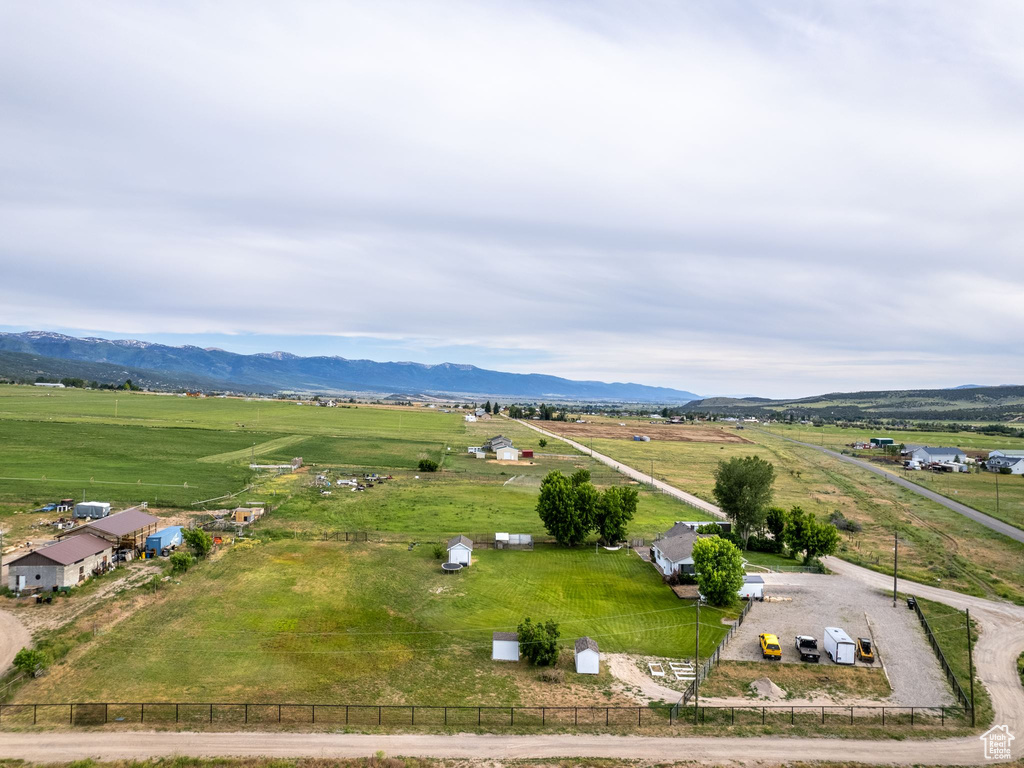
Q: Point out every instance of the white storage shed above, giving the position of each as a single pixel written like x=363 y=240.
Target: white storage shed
x=588 y=657
x=92 y=509
x=460 y=550
x=505 y=646
x=507 y=453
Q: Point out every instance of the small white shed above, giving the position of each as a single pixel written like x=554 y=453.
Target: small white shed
x=505 y=646
x=508 y=454
x=460 y=550
x=753 y=587
x=588 y=657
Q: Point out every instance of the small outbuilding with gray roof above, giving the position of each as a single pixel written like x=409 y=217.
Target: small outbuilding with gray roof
x=588 y=657
x=460 y=550
x=63 y=564
x=505 y=646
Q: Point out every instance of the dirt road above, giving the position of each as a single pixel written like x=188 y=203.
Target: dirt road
x=683 y=496
x=13 y=637
x=961 y=509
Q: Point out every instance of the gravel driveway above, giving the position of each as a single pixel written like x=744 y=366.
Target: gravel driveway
x=832 y=601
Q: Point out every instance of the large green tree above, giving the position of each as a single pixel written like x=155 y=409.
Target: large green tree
x=198 y=540
x=719 y=569
x=743 y=489
x=558 y=510
x=804 y=534
x=539 y=642
x=615 y=509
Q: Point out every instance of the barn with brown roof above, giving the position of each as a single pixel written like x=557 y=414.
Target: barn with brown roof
x=64 y=564
x=124 y=530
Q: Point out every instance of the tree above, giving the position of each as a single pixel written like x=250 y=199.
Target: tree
x=180 y=562
x=487 y=406
x=579 y=477
x=539 y=642
x=775 y=521
x=198 y=540
x=719 y=569
x=542 y=443
x=615 y=509
x=566 y=510
x=743 y=488
x=428 y=465
x=805 y=534
x=495 y=409
x=29 y=661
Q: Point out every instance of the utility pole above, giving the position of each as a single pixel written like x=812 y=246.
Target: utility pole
x=696 y=665
x=970 y=663
x=997 y=493
x=895 y=562
x=115 y=408
x=652 y=473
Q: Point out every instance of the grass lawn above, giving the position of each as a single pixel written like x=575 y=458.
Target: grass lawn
x=733 y=678
x=295 y=621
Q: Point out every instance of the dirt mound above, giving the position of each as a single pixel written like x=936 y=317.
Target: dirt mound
x=764 y=688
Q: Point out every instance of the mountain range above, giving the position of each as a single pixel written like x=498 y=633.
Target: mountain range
x=38 y=353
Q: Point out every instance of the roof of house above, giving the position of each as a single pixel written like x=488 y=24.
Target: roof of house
x=506 y=636
x=1009 y=454
x=586 y=644
x=123 y=523
x=678 y=547
x=678 y=529
x=70 y=550
x=460 y=539
x=940 y=451
x=1008 y=461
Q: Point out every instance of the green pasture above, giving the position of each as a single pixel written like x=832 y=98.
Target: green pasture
x=838 y=438
x=324 y=622
x=978 y=490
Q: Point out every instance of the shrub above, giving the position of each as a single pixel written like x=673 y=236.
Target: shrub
x=198 y=540
x=709 y=529
x=30 y=661
x=843 y=523
x=550 y=675
x=539 y=642
x=439 y=551
x=181 y=562
x=542 y=443
x=428 y=465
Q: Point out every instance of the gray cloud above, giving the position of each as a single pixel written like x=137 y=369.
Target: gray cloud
x=719 y=197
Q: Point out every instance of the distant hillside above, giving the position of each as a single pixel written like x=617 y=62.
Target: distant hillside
x=22 y=366
x=958 y=404
x=280 y=371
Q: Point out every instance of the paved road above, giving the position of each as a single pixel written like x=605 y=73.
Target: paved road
x=1002 y=640
x=962 y=509
x=683 y=496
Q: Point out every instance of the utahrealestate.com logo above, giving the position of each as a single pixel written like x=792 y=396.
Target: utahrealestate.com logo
x=997 y=742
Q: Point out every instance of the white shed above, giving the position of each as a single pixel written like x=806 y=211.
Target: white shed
x=753 y=587
x=507 y=453
x=460 y=550
x=92 y=509
x=588 y=657
x=505 y=646
x=469 y=417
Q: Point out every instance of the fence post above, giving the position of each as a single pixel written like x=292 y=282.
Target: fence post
x=851 y=715
x=71 y=714
x=378 y=715
x=543 y=716
x=883 y=716
x=911 y=715
x=279 y=713
x=35 y=711
x=762 y=715
x=142 y=712
x=247 y=714
x=511 y=716
x=478 y=717
x=733 y=716
x=576 y=716
x=413 y=721
x=106 y=709
x=346 y=714
x=639 y=714
x=211 y=712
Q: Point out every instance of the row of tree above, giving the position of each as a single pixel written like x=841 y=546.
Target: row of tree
x=572 y=507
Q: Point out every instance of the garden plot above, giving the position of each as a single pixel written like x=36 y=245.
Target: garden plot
x=830 y=601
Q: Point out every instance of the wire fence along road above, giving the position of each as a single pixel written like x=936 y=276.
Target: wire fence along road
x=961 y=509
x=683 y=496
x=432 y=716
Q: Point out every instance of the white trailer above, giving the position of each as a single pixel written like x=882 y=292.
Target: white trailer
x=839 y=647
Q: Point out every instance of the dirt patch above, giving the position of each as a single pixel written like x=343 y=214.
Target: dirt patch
x=764 y=688
x=796 y=683
x=665 y=432
x=638 y=684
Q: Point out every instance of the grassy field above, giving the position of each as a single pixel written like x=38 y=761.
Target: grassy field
x=938 y=546
x=295 y=621
x=733 y=678
x=837 y=438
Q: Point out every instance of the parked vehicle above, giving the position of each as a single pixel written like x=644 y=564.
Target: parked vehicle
x=770 y=648
x=807 y=647
x=864 y=650
x=839 y=647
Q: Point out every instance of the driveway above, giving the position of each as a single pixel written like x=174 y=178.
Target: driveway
x=820 y=601
x=13 y=637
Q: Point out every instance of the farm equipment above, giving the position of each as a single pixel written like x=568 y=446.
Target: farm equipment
x=864 y=650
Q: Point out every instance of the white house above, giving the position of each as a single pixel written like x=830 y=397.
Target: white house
x=927 y=455
x=507 y=453
x=460 y=550
x=674 y=552
x=469 y=417
x=1013 y=463
x=505 y=646
x=588 y=657
x=753 y=587
x=1007 y=454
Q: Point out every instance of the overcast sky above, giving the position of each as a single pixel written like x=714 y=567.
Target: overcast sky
x=771 y=198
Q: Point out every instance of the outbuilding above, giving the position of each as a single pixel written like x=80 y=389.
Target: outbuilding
x=588 y=657
x=460 y=550
x=753 y=587
x=92 y=509
x=507 y=454
x=63 y=564
x=505 y=646
x=125 y=530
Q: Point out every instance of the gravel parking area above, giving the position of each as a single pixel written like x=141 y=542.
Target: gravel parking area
x=820 y=601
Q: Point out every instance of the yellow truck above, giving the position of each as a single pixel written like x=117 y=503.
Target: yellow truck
x=770 y=648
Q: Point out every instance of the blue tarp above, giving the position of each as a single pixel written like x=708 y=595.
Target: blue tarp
x=168 y=537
